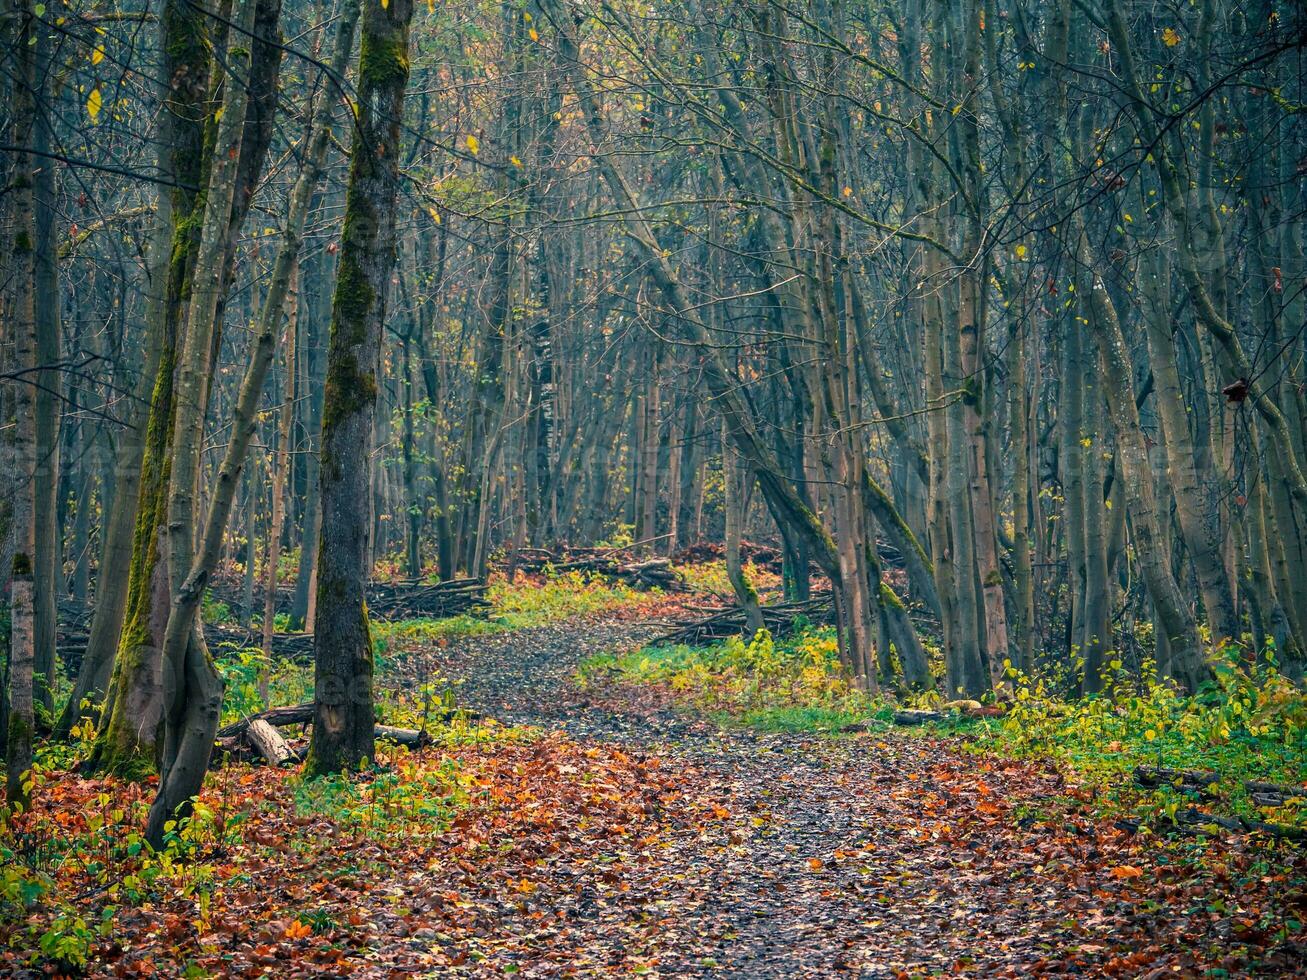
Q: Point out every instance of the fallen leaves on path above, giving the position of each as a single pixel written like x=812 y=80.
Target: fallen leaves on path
x=640 y=842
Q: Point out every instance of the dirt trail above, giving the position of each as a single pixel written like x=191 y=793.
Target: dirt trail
x=870 y=856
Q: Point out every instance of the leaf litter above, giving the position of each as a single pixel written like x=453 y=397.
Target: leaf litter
x=623 y=835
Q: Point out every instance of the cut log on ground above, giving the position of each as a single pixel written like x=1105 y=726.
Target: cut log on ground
x=410 y=737
x=269 y=743
x=302 y=714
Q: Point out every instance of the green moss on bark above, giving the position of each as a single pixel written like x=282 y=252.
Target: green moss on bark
x=349 y=387
x=383 y=61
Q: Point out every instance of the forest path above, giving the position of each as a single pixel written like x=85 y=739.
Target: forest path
x=788 y=855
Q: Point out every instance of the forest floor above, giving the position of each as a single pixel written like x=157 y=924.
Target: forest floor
x=607 y=829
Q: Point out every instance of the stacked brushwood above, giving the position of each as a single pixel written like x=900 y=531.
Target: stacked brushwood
x=720 y=624
x=405 y=599
x=389 y=600
x=768 y=556
x=611 y=563
x=259 y=737
x=422 y=600
x=297 y=647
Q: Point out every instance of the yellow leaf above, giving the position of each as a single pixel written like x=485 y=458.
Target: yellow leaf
x=515 y=161
x=473 y=144
x=1021 y=251
x=94 y=102
x=1169 y=37
x=848 y=192
x=535 y=35
x=97 y=56
x=385 y=4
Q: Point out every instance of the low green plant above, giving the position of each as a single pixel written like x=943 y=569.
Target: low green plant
x=407 y=798
x=791 y=686
x=1248 y=724
x=529 y=602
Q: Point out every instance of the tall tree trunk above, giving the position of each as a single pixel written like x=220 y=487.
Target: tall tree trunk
x=343 y=713
x=22 y=316
x=46 y=559
x=1151 y=550
x=281 y=467
x=133 y=708
x=735 y=494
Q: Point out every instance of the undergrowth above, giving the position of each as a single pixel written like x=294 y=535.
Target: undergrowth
x=793 y=685
x=1248 y=724
x=567 y=595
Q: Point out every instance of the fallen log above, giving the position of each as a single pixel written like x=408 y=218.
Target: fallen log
x=294 y=714
x=269 y=743
x=1200 y=780
x=1151 y=777
x=409 y=737
x=914 y=717
x=302 y=714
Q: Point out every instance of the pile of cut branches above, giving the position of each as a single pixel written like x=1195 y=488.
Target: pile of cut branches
x=728 y=621
x=612 y=563
x=422 y=600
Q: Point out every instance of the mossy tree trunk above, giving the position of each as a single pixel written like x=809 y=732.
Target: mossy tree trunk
x=195 y=701
x=343 y=709
x=133 y=710
x=133 y=716
x=192 y=687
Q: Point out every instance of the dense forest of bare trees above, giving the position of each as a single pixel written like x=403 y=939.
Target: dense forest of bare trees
x=313 y=293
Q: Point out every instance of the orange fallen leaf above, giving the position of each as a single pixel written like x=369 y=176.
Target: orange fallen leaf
x=1125 y=871
x=815 y=863
x=298 y=930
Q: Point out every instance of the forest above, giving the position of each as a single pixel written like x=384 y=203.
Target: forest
x=748 y=488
